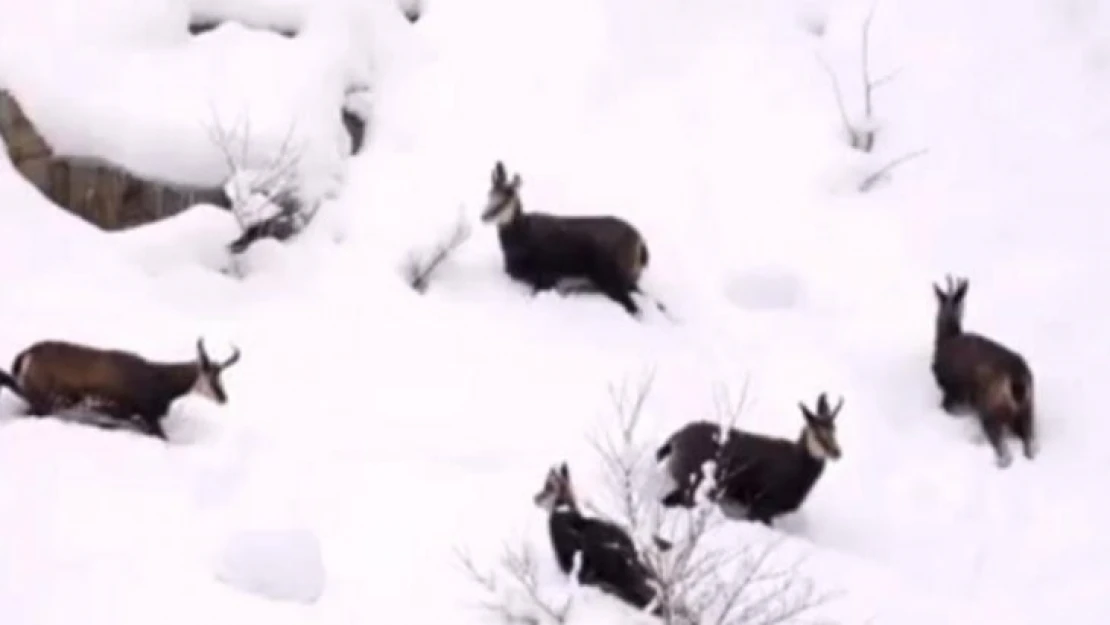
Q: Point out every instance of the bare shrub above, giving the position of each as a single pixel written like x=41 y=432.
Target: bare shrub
x=703 y=575
x=421 y=265
x=512 y=589
x=882 y=174
x=861 y=134
x=704 y=578
x=264 y=198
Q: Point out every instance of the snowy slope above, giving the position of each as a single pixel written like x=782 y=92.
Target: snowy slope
x=396 y=427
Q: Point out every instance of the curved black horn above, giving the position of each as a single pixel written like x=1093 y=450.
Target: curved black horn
x=202 y=355
x=234 y=358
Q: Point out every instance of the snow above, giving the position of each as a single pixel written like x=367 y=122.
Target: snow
x=395 y=428
x=285 y=565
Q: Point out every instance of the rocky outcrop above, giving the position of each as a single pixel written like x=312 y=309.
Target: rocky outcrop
x=202 y=24
x=97 y=191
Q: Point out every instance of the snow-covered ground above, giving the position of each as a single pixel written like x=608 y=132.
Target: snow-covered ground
x=390 y=428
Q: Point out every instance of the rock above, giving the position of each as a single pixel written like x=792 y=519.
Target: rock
x=202 y=24
x=95 y=190
x=284 y=565
x=356 y=115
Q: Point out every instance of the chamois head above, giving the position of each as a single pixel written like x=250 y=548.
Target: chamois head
x=208 y=381
x=819 y=435
x=503 y=203
x=557 y=491
x=950 y=307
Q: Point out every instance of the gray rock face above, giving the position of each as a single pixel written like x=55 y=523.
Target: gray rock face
x=97 y=191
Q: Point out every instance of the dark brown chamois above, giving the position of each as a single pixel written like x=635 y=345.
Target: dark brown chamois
x=608 y=559
x=548 y=251
x=977 y=372
x=755 y=477
x=54 y=376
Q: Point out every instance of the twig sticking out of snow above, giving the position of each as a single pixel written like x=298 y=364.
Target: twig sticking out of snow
x=421 y=266
x=513 y=589
x=861 y=134
x=883 y=173
x=264 y=198
x=701 y=580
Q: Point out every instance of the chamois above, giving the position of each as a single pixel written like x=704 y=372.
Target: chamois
x=609 y=560
x=974 y=371
x=756 y=477
x=548 y=251
x=53 y=376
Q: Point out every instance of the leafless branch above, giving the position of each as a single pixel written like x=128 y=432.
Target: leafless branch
x=701 y=579
x=264 y=201
x=274 y=178
x=861 y=135
x=420 y=267
x=518 y=566
x=883 y=172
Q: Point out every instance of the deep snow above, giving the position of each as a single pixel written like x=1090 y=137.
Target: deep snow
x=397 y=427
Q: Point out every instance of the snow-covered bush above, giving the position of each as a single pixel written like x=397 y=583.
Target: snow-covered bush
x=264 y=199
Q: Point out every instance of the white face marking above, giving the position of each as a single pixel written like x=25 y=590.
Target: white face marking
x=547 y=501
x=204 y=388
x=507 y=211
x=814 y=446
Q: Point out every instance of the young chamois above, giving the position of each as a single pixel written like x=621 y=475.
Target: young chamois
x=977 y=372
x=755 y=477
x=608 y=558
x=548 y=251
x=54 y=376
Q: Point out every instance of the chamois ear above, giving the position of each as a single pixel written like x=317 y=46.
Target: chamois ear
x=515 y=184
x=805 y=411
x=564 y=472
x=941 y=297
x=202 y=356
x=232 y=359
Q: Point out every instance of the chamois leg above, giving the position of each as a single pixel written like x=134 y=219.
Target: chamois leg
x=542 y=282
x=950 y=401
x=663 y=451
x=610 y=282
x=992 y=427
x=154 y=427
x=1024 y=430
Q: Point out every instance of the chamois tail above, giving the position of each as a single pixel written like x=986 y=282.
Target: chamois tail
x=7 y=381
x=1019 y=389
x=664 y=451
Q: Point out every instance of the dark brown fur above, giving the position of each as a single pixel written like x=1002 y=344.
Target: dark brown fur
x=756 y=477
x=609 y=558
x=53 y=376
x=984 y=375
x=545 y=251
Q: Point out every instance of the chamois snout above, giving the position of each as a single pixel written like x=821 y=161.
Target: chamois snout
x=503 y=200
x=820 y=433
x=556 y=489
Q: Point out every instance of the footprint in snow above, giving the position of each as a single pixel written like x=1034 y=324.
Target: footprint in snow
x=767 y=288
